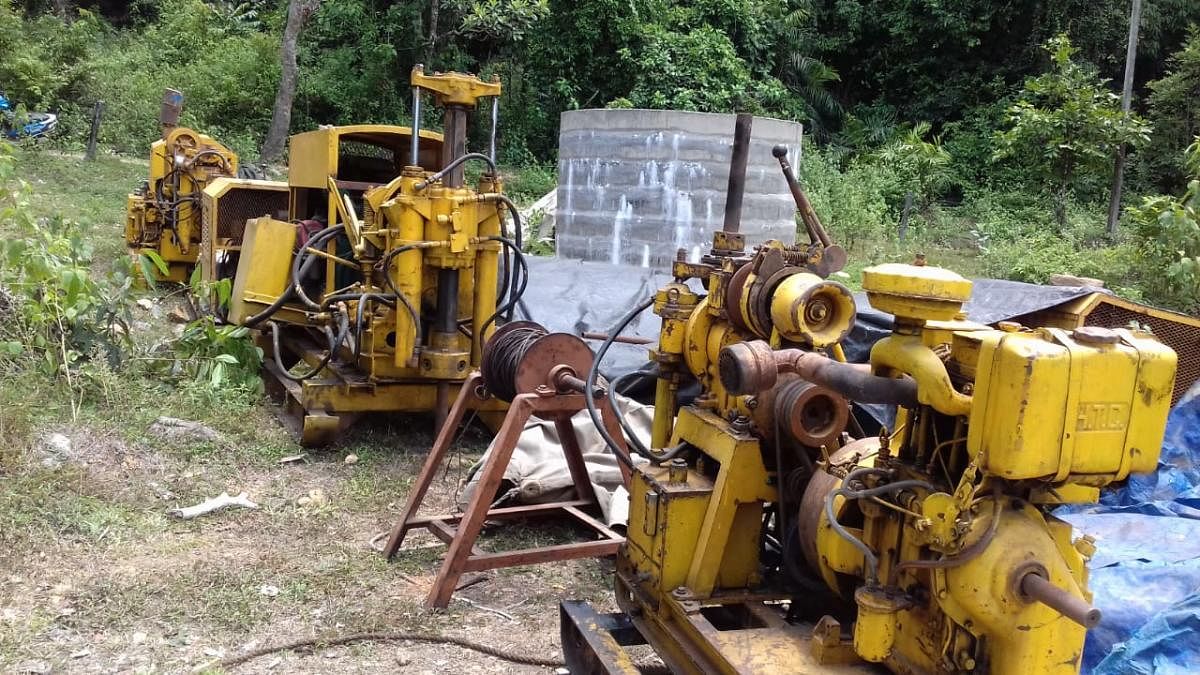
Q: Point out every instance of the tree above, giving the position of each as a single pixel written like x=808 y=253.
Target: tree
x=1175 y=113
x=1167 y=230
x=1066 y=124
x=921 y=166
x=299 y=12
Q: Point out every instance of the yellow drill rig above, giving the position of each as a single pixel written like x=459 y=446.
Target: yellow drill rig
x=378 y=292
x=166 y=216
x=762 y=539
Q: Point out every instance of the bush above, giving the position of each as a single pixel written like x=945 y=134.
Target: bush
x=57 y=314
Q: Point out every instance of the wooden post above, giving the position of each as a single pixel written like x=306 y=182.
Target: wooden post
x=94 y=135
x=1114 y=204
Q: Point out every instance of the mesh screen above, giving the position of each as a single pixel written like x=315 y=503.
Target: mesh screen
x=1184 y=339
x=241 y=204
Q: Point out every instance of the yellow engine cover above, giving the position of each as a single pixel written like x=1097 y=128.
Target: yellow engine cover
x=1087 y=407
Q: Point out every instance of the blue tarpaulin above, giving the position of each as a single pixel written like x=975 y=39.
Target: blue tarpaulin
x=1146 y=571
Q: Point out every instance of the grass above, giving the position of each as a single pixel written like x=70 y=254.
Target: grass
x=90 y=558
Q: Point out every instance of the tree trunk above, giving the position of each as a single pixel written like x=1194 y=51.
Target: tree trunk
x=63 y=9
x=299 y=11
x=434 y=9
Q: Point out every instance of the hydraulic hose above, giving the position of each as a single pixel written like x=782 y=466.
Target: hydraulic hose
x=516 y=289
x=334 y=342
x=286 y=295
x=589 y=390
x=302 y=256
x=454 y=165
x=870 y=560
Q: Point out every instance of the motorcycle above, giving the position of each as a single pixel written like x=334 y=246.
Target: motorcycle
x=31 y=125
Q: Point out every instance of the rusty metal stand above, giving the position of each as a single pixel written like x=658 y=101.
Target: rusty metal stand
x=461 y=532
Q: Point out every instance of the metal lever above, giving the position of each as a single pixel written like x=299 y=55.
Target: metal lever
x=1036 y=587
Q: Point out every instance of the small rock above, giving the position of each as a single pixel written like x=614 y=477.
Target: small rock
x=36 y=667
x=403 y=659
x=317 y=497
x=81 y=653
x=215 y=653
x=170 y=428
x=177 y=315
x=145 y=304
x=268 y=590
x=138 y=638
x=351 y=459
x=274 y=663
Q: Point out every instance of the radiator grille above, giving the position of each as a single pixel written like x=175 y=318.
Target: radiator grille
x=241 y=204
x=1184 y=339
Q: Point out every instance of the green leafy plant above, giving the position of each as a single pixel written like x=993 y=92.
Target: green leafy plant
x=1167 y=230
x=216 y=356
x=1066 y=124
x=57 y=312
x=923 y=167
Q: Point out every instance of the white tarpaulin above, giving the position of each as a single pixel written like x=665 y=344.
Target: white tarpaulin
x=538 y=470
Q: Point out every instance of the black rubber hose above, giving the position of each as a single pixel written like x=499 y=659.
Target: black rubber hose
x=517 y=290
x=284 y=296
x=300 y=263
x=589 y=397
x=383 y=266
x=334 y=342
x=454 y=165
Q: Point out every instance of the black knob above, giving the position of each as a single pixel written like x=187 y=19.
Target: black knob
x=779 y=151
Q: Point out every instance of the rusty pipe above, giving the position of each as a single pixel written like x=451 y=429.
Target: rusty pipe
x=736 y=189
x=623 y=339
x=172 y=108
x=565 y=380
x=750 y=367
x=1036 y=587
x=816 y=231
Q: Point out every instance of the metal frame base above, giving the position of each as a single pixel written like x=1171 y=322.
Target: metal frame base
x=461 y=532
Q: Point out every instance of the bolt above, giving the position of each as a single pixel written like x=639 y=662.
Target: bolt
x=740 y=424
x=681 y=254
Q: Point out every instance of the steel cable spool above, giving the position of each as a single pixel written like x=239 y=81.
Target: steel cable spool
x=522 y=356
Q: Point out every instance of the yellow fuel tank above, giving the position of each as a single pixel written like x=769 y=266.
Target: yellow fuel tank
x=1099 y=396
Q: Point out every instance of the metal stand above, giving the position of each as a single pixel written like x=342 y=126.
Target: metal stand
x=461 y=532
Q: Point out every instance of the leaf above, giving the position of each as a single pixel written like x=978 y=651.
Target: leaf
x=227 y=358
x=159 y=264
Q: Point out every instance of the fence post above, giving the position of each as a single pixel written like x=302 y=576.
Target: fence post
x=94 y=135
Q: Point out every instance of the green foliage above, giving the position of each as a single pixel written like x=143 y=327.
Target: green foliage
x=218 y=357
x=1167 y=231
x=851 y=203
x=1175 y=114
x=921 y=166
x=1066 y=125
x=57 y=313
x=62 y=311
x=215 y=357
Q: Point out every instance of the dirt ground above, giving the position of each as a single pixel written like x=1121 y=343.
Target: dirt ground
x=121 y=586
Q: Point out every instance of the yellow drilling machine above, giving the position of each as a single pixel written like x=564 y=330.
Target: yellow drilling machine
x=195 y=197
x=769 y=535
x=379 y=289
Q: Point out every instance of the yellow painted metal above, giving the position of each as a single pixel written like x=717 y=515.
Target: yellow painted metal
x=1117 y=394
x=313 y=156
x=810 y=310
x=406 y=234
x=263 y=268
x=165 y=216
x=1006 y=422
x=455 y=88
x=917 y=292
